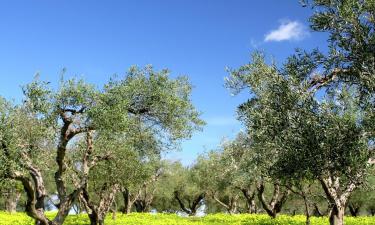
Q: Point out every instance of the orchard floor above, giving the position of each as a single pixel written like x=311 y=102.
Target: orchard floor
x=172 y=219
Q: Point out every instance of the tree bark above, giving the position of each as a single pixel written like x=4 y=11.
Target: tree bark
x=277 y=201
x=354 y=209
x=127 y=202
x=372 y=211
x=97 y=212
x=11 y=197
x=336 y=216
x=307 y=210
x=231 y=206
x=192 y=208
x=337 y=197
x=250 y=200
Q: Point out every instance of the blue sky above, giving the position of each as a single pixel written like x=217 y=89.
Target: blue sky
x=96 y=39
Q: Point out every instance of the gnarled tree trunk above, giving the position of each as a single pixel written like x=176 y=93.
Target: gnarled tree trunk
x=97 y=212
x=273 y=207
x=191 y=208
x=250 y=200
x=230 y=205
x=337 y=197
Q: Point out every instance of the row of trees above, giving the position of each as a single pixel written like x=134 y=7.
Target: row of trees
x=308 y=140
x=222 y=180
x=80 y=144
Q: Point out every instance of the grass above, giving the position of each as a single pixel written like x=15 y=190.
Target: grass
x=172 y=219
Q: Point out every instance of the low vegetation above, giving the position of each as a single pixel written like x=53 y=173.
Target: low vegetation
x=171 y=219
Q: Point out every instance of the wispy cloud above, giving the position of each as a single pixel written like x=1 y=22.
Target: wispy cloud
x=288 y=30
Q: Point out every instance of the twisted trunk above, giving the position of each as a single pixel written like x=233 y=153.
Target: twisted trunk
x=250 y=200
x=97 y=212
x=192 y=207
x=273 y=207
x=337 y=197
x=230 y=206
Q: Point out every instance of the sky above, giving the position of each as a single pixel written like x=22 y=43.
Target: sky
x=97 y=39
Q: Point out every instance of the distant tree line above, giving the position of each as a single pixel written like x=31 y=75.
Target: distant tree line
x=307 y=147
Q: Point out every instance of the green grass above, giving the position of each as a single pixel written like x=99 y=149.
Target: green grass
x=171 y=219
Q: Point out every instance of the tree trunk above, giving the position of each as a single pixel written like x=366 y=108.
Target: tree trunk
x=191 y=210
x=372 y=212
x=98 y=211
x=11 y=200
x=230 y=206
x=96 y=218
x=250 y=200
x=277 y=201
x=354 y=210
x=139 y=206
x=336 y=216
x=127 y=202
x=317 y=211
x=307 y=210
x=252 y=207
x=337 y=198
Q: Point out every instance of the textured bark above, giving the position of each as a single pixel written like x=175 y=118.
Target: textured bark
x=337 y=197
x=67 y=132
x=129 y=200
x=11 y=197
x=250 y=200
x=230 y=205
x=273 y=207
x=192 y=207
x=98 y=211
x=336 y=216
x=146 y=193
x=145 y=198
x=31 y=202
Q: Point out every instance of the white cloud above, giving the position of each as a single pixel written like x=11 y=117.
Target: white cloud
x=288 y=30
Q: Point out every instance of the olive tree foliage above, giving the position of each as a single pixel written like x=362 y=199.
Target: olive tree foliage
x=265 y=117
x=299 y=136
x=188 y=188
x=120 y=164
x=24 y=152
x=144 y=102
x=304 y=135
x=218 y=182
x=241 y=169
x=230 y=179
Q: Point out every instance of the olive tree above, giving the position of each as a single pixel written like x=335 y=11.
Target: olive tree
x=76 y=111
x=288 y=118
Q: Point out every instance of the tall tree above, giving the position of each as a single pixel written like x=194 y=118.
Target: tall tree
x=286 y=116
